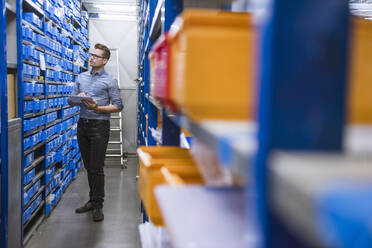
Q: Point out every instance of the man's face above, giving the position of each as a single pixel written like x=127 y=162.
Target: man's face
x=96 y=58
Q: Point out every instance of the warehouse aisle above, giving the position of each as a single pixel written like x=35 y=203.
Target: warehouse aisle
x=64 y=228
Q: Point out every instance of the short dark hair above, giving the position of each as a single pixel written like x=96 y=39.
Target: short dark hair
x=104 y=48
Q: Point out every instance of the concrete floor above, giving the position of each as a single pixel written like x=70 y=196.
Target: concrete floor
x=64 y=228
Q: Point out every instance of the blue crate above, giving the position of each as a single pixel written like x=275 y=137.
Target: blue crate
x=37 y=89
x=35 y=139
x=42 y=120
x=27 y=70
x=33 y=19
x=29 y=158
x=26 y=125
x=58 y=128
x=29 y=176
x=49 y=174
x=43 y=104
x=55 y=102
x=27 y=33
x=25 y=51
x=32 y=53
x=30 y=192
x=27 y=143
x=27 y=107
x=50 y=159
x=33 y=123
x=42 y=136
x=37 y=186
x=27 y=214
x=49 y=8
x=48 y=207
x=50 y=104
x=26 y=198
x=37 y=202
x=35 y=105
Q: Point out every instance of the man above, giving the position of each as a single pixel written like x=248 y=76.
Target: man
x=94 y=124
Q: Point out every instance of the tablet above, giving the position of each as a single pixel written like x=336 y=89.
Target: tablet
x=77 y=99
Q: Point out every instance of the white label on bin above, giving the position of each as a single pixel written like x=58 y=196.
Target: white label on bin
x=42 y=63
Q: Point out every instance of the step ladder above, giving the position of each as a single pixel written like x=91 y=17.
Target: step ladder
x=118 y=150
x=116 y=146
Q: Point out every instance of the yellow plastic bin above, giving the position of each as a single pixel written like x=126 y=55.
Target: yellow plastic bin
x=152 y=159
x=360 y=100
x=181 y=175
x=211 y=64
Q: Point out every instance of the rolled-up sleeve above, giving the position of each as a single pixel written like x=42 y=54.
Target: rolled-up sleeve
x=114 y=93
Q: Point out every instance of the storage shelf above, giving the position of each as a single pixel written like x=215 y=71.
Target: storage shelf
x=33 y=164
x=70 y=116
x=32 y=80
x=50 y=166
x=52 y=82
x=32 y=149
x=52 y=110
x=234 y=142
x=52 y=54
x=30 y=233
x=28 y=98
x=34 y=197
x=36 y=29
x=51 y=138
x=215 y=217
x=55 y=173
x=34 y=180
x=48 y=18
x=54 y=68
x=53 y=123
x=30 y=62
x=73 y=125
x=34 y=214
x=315 y=188
x=69 y=72
x=30 y=115
x=33 y=5
x=31 y=132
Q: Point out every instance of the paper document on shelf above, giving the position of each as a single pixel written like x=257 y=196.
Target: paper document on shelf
x=42 y=63
x=78 y=99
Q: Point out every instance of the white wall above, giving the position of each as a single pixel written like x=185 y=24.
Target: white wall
x=122 y=35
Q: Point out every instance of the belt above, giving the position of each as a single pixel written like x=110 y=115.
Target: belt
x=82 y=120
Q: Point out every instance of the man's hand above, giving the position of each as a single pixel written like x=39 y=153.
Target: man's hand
x=90 y=105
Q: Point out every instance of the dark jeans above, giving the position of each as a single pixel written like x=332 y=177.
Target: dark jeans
x=93 y=137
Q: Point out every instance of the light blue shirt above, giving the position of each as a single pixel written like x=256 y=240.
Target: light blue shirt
x=103 y=88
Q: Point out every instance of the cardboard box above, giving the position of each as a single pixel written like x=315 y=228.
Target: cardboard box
x=12 y=96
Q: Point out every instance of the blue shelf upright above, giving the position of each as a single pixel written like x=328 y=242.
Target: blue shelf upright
x=171 y=131
x=4 y=128
x=304 y=53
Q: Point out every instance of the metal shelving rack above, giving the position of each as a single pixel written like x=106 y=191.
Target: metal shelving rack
x=4 y=127
x=65 y=170
x=282 y=125
x=150 y=26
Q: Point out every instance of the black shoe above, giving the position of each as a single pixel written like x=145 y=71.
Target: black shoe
x=86 y=208
x=97 y=214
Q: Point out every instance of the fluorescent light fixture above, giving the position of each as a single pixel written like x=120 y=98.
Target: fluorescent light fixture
x=117 y=17
x=116 y=7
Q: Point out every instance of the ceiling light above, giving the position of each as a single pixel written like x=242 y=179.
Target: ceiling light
x=116 y=7
x=117 y=17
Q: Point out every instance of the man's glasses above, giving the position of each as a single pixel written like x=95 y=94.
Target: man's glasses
x=95 y=56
